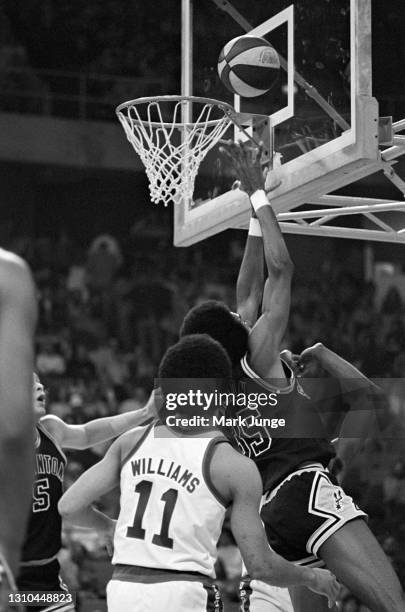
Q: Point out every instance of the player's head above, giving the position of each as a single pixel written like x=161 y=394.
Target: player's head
x=195 y=362
x=38 y=396
x=195 y=356
x=218 y=321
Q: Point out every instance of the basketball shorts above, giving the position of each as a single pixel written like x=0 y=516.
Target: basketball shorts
x=303 y=512
x=36 y=578
x=257 y=596
x=172 y=596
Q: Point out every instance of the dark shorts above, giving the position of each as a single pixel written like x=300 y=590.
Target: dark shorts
x=36 y=578
x=303 y=512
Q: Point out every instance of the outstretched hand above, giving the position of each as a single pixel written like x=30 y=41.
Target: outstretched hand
x=325 y=583
x=309 y=360
x=246 y=160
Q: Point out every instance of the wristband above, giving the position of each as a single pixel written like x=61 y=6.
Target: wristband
x=254 y=228
x=259 y=199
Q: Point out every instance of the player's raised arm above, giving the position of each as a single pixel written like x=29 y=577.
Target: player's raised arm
x=366 y=402
x=266 y=336
x=351 y=379
x=249 y=286
x=239 y=481
x=17 y=323
x=250 y=283
x=98 y=430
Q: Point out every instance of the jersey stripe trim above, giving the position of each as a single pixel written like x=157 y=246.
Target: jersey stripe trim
x=137 y=445
x=333 y=521
x=263 y=383
x=313 y=467
x=35 y=563
x=209 y=451
x=137 y=573
x=214 y=601
x=46 y=433
x=245 y=592
x=311 y=561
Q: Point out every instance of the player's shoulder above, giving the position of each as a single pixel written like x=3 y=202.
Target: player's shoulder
x=12 y=263
x=226 y=455
x=230 y=471
x=14 y=273
x=51 y=422
x=130 y=441
x=53 y=426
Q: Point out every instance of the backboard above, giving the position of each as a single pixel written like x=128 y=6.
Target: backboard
x=326 y=120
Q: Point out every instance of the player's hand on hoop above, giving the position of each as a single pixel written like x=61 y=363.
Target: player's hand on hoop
x=246 y=161
x=325 y=583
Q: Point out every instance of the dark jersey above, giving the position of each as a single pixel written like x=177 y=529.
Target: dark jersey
x=43 y=537
x=280 y=450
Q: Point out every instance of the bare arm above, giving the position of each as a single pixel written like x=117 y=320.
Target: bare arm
x=266 y=336
x=362 y=395
x=98 y=430
x=249 y=286
x=76 y=503
x=350 y=377
x=366 y=401
x=239 y=481
x=98 y=480
x=17 y=324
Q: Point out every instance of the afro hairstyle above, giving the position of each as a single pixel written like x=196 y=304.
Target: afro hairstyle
x=195 y=356
x=215 y=319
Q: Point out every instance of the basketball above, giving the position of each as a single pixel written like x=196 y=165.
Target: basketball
x=248 y=66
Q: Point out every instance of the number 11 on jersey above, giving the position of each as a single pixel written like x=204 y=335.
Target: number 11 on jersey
x=169 y=498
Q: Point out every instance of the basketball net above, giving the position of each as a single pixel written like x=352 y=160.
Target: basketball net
x=172 y=150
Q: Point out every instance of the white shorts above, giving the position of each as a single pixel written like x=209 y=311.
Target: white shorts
x=173 y=596
x=257 y=596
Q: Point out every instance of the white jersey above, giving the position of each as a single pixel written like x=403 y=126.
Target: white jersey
x=170 y=514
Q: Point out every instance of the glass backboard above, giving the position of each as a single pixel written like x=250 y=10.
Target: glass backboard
x=325 y=120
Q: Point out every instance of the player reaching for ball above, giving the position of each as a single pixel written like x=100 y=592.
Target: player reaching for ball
x=175 y=487
x=39 y=567
x=308 y=518
x=17 y=324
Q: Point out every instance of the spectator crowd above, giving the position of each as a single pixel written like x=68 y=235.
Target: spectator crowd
x=109 y=310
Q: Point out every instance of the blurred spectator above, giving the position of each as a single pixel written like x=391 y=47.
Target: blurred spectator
x=80 y=364
x=111 y=364
x=392 y=303
x=49 y=359
x=103 y=261
x=394 y=491
x=136 y=398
